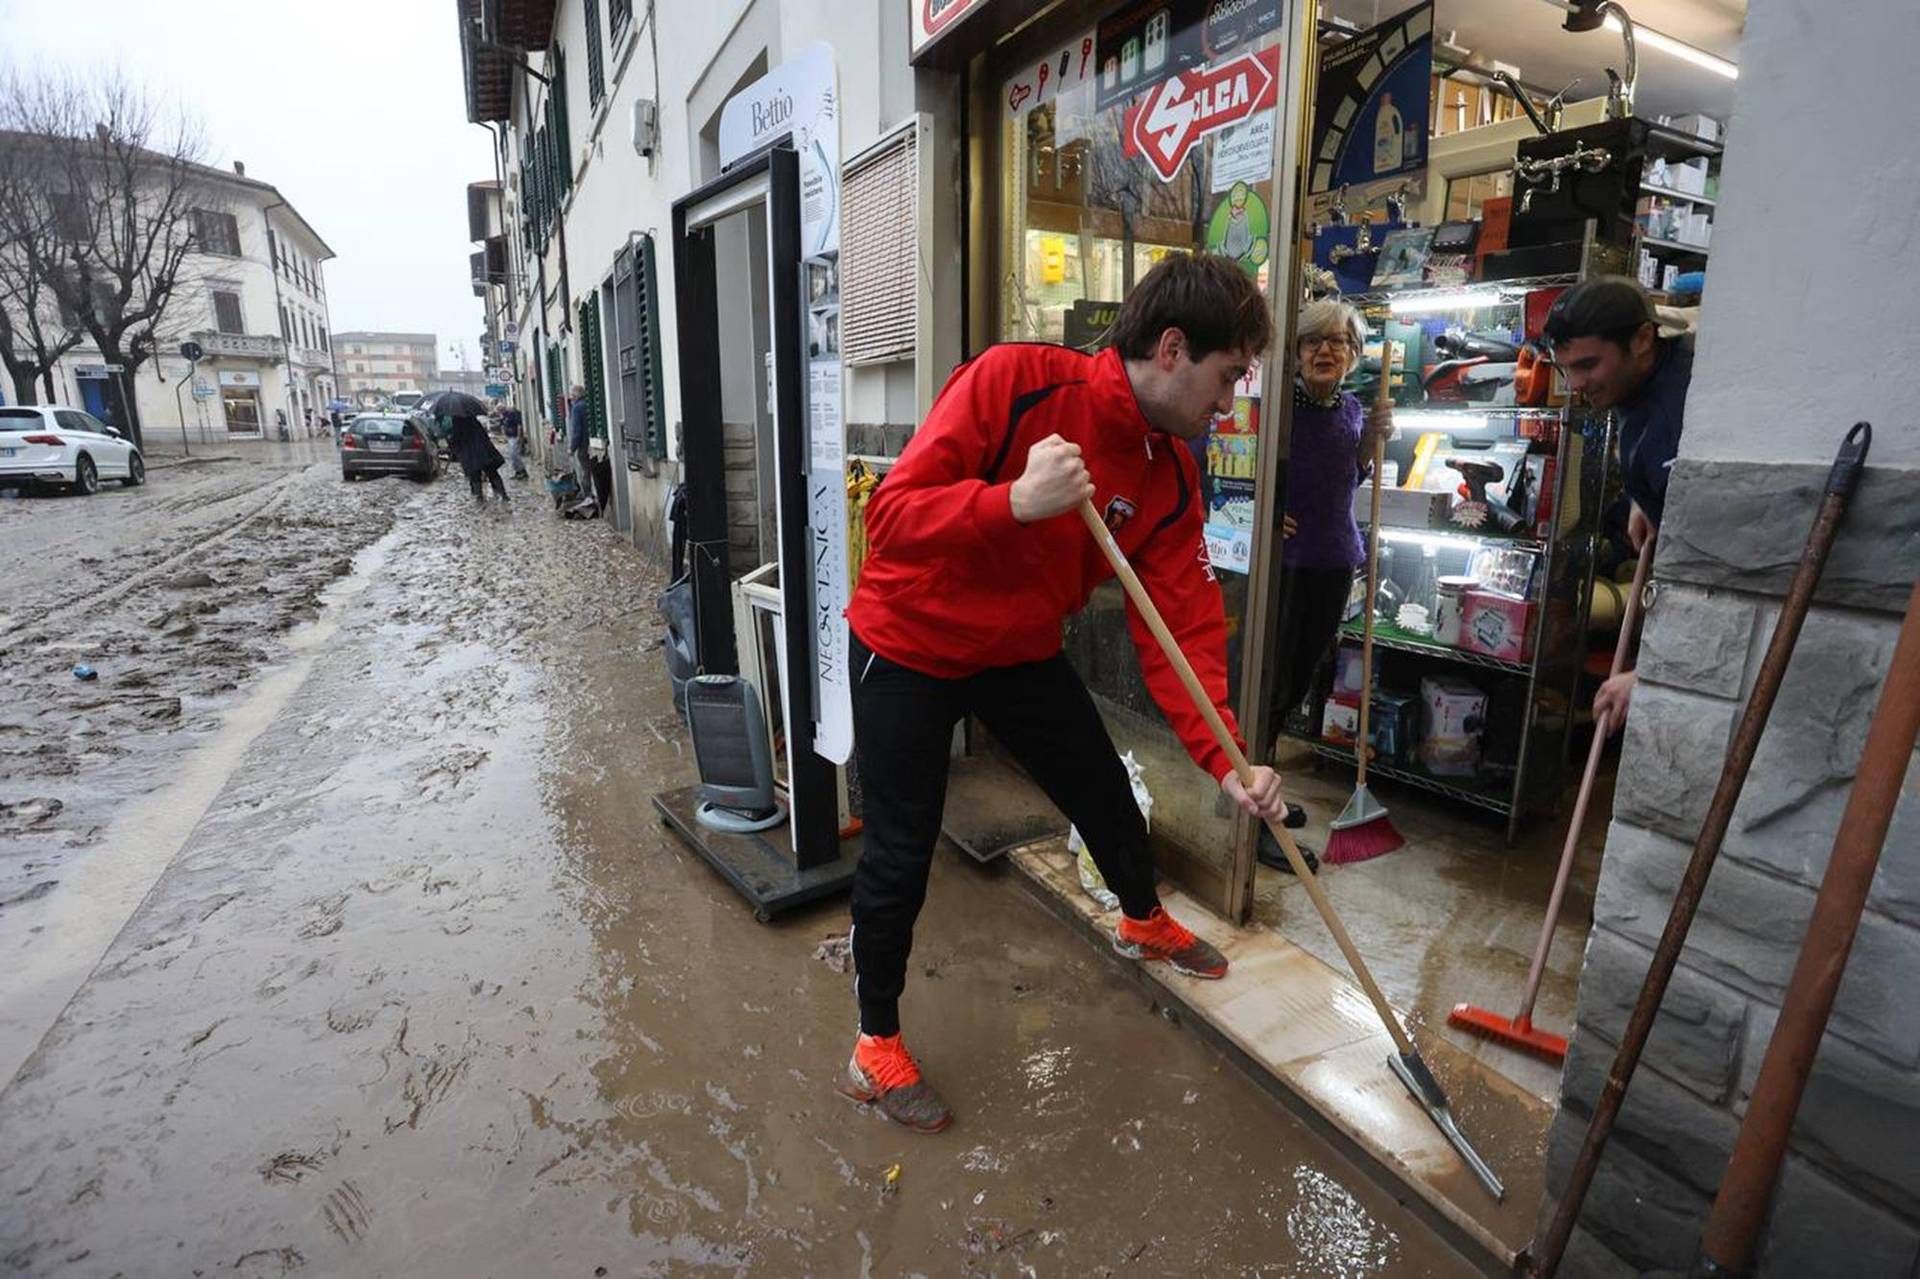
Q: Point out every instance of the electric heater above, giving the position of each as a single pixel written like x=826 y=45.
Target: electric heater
x=730 y=749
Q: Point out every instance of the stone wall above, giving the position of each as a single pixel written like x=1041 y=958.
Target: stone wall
x=1849 y=1199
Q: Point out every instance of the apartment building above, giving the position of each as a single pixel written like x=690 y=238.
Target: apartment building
x=376 y=366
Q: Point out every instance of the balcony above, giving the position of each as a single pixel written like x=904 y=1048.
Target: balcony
x=245 y=346
x=312 y=357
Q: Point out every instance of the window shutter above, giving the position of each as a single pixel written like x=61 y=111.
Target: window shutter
x=562 y=146
x=592 y=367
x=644 y=426
x=596 y=69
x=879 y=252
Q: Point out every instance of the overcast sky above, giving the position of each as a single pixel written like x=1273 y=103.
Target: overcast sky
x=353 y=108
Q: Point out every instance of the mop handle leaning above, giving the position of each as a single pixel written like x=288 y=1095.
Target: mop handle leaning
x=1204 y=703
x=1363 y=744
x=1602 y=729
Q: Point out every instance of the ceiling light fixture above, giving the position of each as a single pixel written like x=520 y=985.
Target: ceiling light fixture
x=1465 y=300
x=1678 y=48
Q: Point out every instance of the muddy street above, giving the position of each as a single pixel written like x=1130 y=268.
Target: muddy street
x=363 y=952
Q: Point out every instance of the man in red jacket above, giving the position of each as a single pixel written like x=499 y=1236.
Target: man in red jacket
x=976 y=558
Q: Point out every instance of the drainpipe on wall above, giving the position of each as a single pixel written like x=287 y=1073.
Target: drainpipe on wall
x=286 y=329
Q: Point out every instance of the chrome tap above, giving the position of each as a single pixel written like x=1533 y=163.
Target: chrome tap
x=1589 y=15
x=1397 y=202
x=1548 y=170
x=1526 y=103
x=1363 y=243
x=1557 y=105
x=1337 y=211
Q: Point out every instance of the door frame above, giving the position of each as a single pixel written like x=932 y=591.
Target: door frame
x=772 y=179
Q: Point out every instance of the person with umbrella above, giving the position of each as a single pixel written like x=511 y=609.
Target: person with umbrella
x=472 y=447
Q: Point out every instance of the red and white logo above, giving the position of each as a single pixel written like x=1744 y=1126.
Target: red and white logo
x=1168 y=120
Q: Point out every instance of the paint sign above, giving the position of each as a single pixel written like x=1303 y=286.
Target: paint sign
x=1067 y=68
x=1169 y=120
x=800 y=99
x=1372 y=104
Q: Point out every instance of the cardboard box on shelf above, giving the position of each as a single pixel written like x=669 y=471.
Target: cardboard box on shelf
x=1402 y=508
x=1340 y=722
x=1452 y=713
x=1700 y=126
x=1497 y=626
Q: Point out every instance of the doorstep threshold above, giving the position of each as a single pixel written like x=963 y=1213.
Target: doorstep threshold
x=1307 y=1033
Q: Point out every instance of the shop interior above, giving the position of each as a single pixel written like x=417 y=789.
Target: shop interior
x=1504 y=562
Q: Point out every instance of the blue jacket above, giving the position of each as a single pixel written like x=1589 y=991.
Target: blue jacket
x=1650 y=421
x=577 y=426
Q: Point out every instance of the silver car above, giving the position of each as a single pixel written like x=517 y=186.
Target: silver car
x=387 y=444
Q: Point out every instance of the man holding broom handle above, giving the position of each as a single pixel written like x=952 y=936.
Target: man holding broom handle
x=976 y=558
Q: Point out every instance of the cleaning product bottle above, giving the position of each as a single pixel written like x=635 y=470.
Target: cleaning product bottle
x=1389 y=137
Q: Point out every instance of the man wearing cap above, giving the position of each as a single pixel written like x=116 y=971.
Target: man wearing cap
x=1607 y=342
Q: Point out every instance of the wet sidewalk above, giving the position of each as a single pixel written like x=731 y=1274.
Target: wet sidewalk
x=426 y=989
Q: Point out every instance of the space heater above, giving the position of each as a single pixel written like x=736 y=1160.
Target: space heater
x=731 y=752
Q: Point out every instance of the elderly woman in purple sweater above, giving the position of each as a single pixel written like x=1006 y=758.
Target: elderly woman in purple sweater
x=1331 y=452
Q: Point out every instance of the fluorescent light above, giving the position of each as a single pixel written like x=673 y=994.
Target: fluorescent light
x=1439 y=541
x=1678 y=48
x=1452 y=423
x=1465 y=300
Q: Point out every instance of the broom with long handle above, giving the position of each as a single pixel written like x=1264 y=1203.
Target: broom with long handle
x=1406 y=1062
x=1519 y=1030
x=1363 y=829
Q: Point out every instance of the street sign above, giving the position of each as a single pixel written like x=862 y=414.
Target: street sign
x=191 y=352
x=1168 y=120
x=496 y=391
x=512 y=330
x=506 y=348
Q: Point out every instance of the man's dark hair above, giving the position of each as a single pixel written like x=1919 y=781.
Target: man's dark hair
x=1206 y=296
x=1610 y=306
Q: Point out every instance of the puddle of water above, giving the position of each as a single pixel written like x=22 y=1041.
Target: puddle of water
x=109 y=885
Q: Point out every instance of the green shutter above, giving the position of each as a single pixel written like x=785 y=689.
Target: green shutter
x=592 y=367
x=557 y=109
x=652 y=390
x=556 y=390
x=596 y=69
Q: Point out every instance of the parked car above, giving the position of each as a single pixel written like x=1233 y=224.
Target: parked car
x=387 y=444
x=53 y=444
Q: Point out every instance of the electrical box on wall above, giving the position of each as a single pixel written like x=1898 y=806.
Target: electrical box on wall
x=646 y=122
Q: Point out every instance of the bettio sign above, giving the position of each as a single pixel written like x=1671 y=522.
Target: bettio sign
x=1168 y=120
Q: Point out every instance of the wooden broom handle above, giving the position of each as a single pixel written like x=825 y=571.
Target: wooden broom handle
x=1204 y=703
x=1363 y=745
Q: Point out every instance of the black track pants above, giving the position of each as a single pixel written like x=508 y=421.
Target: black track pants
x=903 y=733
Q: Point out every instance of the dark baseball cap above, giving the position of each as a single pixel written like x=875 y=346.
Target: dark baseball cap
x=1609 y=306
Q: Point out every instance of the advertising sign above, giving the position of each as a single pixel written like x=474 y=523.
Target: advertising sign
x=1170 y=119
x=800 y=98
x=1234 y=22
x=1144 y=44
x=1039 y=83
x=933 y=18
x=1371 y=110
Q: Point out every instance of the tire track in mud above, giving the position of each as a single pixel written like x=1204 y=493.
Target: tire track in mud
x=277 y=492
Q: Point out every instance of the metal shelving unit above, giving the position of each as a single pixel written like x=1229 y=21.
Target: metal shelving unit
x=1431 y=648
x=1668 y=193
x=1412 y=777
x=1673 y=246
x=1527 y=779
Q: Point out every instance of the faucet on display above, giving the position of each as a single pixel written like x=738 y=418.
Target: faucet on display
x=1590 y=15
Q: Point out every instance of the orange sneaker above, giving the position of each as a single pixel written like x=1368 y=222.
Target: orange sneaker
x=882 y=1072
x=1160 y=936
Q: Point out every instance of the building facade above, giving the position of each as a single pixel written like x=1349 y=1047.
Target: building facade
x=253 y=297
x=377 y=366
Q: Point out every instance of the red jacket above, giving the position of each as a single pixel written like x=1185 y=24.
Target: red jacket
x=953 y=584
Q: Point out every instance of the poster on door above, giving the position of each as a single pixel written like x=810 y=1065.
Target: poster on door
x=1232 y=454
x=1038 y=84
x=1371 y=107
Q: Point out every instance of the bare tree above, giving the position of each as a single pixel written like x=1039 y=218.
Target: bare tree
x=32 y=337
x=124 y=194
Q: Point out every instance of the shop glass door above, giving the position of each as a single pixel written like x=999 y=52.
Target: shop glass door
x=1085 y=212
x=242 y=406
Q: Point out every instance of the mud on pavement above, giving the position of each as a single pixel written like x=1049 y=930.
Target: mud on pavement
x=431 y=991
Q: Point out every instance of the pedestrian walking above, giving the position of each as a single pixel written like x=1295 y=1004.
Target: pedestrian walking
x=474 y=450
x=577 y=445
x=976 y=558
x=515 y=430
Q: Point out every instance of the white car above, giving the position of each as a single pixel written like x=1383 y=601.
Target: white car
x=53 y=444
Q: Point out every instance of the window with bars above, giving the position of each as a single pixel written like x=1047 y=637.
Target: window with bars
x=879 y=252
x=216 y=232
x=619 y=18
x=596 y=67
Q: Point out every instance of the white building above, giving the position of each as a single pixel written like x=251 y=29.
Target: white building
x=254 y=298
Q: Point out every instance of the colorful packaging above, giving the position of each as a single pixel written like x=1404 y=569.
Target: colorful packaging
x=1497 y=626
x=1340 y=722
x=1452 y=713
x=1394 y=726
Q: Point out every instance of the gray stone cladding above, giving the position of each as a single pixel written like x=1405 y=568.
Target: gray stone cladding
x=1848 y=1202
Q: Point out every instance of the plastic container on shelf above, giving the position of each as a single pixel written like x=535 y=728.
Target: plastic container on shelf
x=1452 y=598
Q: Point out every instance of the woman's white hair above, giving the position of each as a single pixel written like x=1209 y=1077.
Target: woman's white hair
x=1327 y=316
